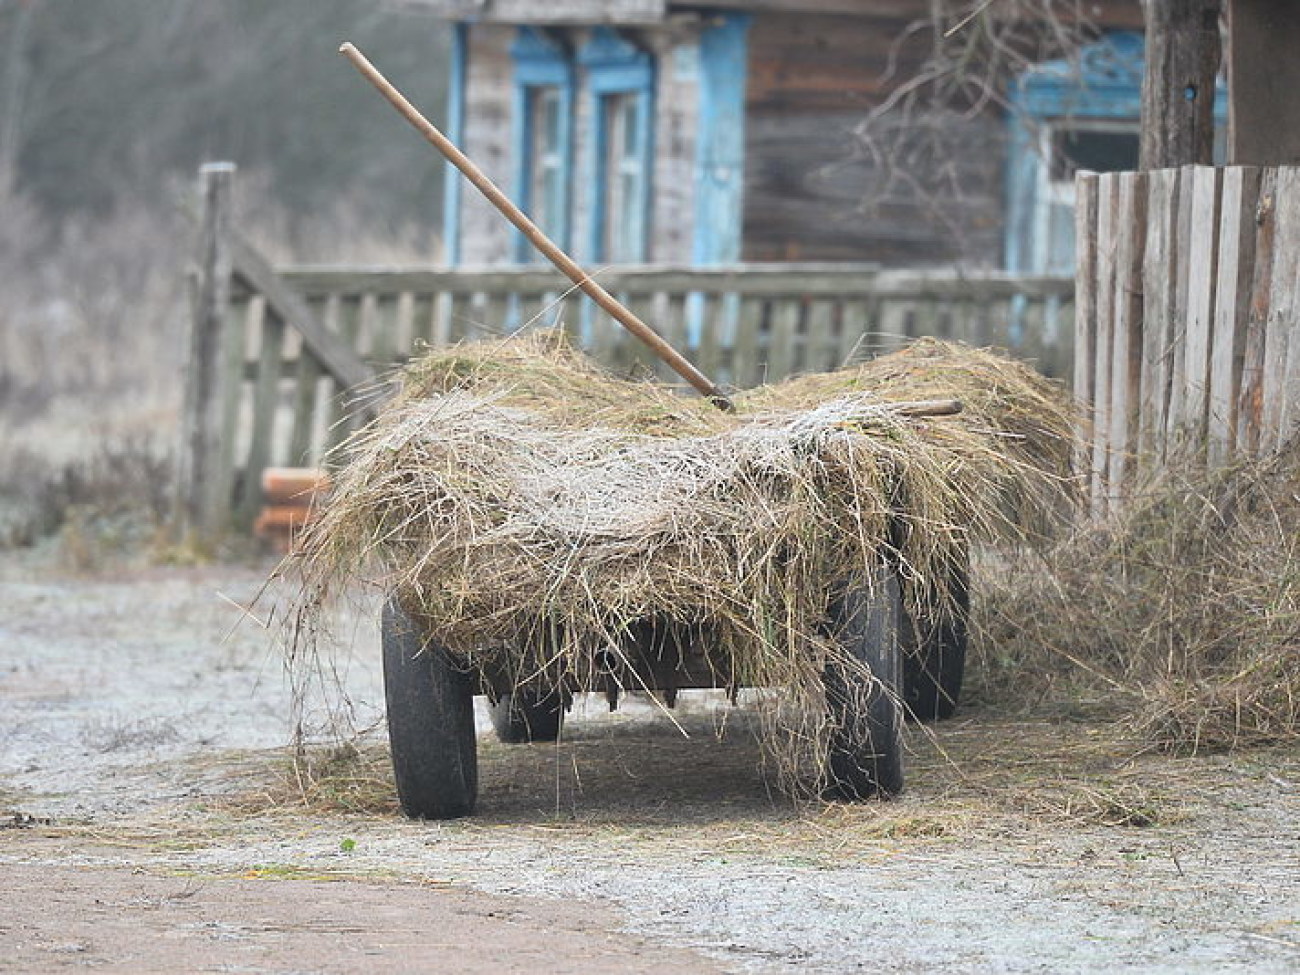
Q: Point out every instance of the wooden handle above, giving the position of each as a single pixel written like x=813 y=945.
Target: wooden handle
x=928 y=407
x=616 y=309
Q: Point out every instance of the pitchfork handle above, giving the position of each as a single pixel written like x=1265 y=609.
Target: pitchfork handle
x=616 y=309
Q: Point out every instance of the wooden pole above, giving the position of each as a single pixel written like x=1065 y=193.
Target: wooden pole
x=928 y=407
x=616 y=309
x=1182 y=63
x=199 y=504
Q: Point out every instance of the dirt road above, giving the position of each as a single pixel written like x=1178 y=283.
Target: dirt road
x=153 y=826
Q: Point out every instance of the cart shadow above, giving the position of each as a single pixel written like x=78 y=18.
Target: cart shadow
x=640 y=765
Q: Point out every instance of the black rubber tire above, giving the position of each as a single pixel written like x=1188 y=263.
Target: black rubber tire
x=934 y=650
x=430 y=722
x=524 y=716
x=865 y=755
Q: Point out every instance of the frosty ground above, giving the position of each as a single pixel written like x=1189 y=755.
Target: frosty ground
x=154 y=822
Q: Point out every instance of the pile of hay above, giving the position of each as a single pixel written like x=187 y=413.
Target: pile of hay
x=1184 y=607
x=514 y=489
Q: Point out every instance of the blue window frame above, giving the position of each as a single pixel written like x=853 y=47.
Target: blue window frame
x=620 y=89
x=543 y=136
x=451 y=179
x=1066 y=117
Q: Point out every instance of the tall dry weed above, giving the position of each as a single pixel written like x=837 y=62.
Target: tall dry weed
x=1184 y=608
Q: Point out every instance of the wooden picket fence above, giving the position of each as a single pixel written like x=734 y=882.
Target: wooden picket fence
x=286 y=362
x=1186 y=337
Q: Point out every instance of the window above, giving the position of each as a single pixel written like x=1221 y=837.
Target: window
x=543 y=135
x=620 y=83
x=1067 y=149
x=546 y=196
x=1100 y=150
x=1067 y=117
x=623 y=229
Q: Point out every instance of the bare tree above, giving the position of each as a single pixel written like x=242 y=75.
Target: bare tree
x=961 y=62
x=970 y=53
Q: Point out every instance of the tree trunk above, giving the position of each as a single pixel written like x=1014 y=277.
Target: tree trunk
x=17 y=73
x=1182 y=62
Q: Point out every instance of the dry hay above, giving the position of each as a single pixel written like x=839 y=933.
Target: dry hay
x=534 y=509
x=1185 y=605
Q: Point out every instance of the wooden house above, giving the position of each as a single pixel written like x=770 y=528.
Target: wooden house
x=697 y=133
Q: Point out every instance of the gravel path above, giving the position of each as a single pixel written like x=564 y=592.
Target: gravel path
x=131 y=709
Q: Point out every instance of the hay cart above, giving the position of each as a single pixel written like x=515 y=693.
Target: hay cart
x=887 y=660
x=911 y=665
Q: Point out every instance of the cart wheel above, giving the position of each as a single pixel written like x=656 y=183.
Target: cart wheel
x=934 y=651
x=527 y=715
x=865 y=757
x=430 y=722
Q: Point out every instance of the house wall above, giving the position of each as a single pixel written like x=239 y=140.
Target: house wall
x=676 y=122
x=812 y=189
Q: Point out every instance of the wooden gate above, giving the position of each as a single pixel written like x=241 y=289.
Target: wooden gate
x=1186 y=334
x=286 y=362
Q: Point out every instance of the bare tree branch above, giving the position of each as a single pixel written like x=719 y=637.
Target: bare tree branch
x=916 y=139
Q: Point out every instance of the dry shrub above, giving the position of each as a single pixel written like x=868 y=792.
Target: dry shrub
x=1185 y=606
x=535 y=511
x=112 y=500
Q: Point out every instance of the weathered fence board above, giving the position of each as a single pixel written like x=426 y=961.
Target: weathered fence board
x=1231 y=313
x=306 y=347
x=1250 y=400
x=1282 y=369
x=1087 y=222
x=1186 y=332
x=1126 y=352
x=1104 y=335
x=1159 y=300
x=1201 y=278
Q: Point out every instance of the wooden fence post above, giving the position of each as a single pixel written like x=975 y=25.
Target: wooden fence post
x=1237 y=231
x=1086 y=296
x=1127 y=333
x=202 y=503
x=1160 y=290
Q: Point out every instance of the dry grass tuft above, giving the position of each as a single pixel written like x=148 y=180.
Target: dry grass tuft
x=343 y=778
x=1186 y=606
x=535 y=510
